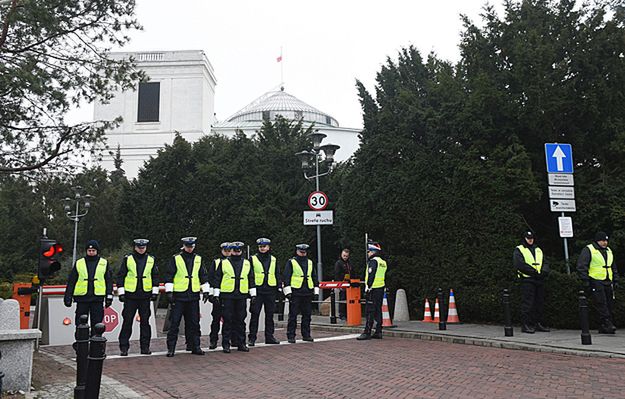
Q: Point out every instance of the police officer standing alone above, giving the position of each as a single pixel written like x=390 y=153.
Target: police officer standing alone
x=300 y=281
x=597 y=271
x=89 y=284
x=137 y=285
x=532 y=269
x=234 y=281
x=184 y=277
x=216 y=313
x=343 y=272
x=374 y=291
x=267 y=283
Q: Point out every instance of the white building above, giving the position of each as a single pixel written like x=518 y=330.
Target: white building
x=179 y=97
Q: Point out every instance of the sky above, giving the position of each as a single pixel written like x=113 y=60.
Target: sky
x=326 y=45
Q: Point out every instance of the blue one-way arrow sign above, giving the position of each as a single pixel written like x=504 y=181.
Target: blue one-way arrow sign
x=559 y=158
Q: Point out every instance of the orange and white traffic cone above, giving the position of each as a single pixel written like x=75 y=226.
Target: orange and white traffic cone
x=437 y=314
x=386 y=316
x=427 y=313
x=452 y=316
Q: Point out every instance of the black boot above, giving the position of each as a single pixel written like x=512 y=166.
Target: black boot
x=170 y=352
x=364 y=337
x=252 y=342
x=212 y=345
x=541 y=328
x=146 y=351
x=308 y=339
x=377 y=335
x=225 y=348
x=123 y=352
x=526 y=328
x=198 y=351
x=291 y=340
x=243 y=348
x=272 y=341
x=607 y=327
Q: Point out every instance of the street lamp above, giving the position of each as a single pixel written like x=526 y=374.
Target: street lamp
x=82 y=201
x=316 y=155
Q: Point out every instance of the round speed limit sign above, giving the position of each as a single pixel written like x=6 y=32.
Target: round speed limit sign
x=317 y=201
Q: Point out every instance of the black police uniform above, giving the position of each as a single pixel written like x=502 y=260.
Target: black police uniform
x=343 y=271
x=532 y=289
x=139 y=300
x=373 y=308
x=217 y=311
x=234 y=309
x=266 y=297
x=602 y=291
x=185 y=303
x=300 y=301
x=89 y=304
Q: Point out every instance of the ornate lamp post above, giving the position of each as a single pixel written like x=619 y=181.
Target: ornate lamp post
x=80 y=209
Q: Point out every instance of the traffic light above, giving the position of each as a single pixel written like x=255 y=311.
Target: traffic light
x=49 y=253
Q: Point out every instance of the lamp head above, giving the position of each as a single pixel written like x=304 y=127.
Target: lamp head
x=330 y=150
x=316 y=138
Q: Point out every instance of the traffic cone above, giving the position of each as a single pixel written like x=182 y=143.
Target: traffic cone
x=452 y=316
x=437 y=314
x=427 y=313
x=386 y=316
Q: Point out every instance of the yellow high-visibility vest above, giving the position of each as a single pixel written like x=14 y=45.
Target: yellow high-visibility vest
x=130 y=282
x=259 y=272
x=228 y=278
x=536 y=263
x=181 y=279
x=297 y=277
x=380 y=273
x=82 y=284
x=598 y=268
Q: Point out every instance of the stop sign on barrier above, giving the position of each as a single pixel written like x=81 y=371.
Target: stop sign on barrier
x=111 y=319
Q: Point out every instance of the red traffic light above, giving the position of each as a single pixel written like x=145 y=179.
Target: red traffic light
x=53 y=250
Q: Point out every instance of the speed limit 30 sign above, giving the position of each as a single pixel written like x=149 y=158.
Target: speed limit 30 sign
x=317 y=200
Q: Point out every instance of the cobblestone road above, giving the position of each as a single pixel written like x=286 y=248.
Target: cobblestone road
x=390 y=368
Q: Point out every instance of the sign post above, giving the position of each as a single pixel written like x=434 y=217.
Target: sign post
x=559 y=158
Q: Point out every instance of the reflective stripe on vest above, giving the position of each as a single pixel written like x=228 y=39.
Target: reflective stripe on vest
x=130 y=282
x=181 y=279
x=228 y=279
x=297 y=278
x=259 y=272
x=598 y=268
x=82 y=284
x=529 y=259
x=380 y=273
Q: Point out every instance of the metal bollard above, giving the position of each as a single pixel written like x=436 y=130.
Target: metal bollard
x=333 y=306
x=507 y=328
x=583 y=319
x=97 y=354
x=442 y=324
x=82 y=351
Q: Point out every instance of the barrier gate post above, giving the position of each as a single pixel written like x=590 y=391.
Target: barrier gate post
x=354 y=311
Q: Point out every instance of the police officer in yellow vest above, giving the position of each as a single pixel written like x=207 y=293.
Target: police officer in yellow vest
x=234 y=282
x=267 y=282
x=216 y=313
x=137 y=285
x=374 y=291
x=90 y=283
x=300 y=284
x=184 y=278
x=597 y=271
x=532 y=269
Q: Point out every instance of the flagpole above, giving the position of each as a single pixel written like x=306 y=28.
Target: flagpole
x=281 y=68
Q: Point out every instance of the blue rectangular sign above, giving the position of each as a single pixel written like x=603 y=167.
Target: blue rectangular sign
x=559 y=158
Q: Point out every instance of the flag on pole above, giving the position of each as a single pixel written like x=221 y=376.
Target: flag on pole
x=279 y=59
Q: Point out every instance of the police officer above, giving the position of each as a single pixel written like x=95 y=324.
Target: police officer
x=300 y=280
x=234 y=281
x=267 y=281
x=217 y=307
x=374 y=291
x=185 y=277
x=89 y=284
x=343 y=271
x=137 y=285
x=597 y=271
x=532 y=269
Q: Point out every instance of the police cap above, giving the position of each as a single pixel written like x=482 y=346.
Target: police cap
x=302 y=247
x=374 y=247
x=224 y=245
x=189 y=241
x=236 y=245
x=263 y=241
x=141 y=242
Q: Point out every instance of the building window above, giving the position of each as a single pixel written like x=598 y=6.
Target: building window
x=149 y=101
x=266 y=116
x=299 y=115
x=328 y=120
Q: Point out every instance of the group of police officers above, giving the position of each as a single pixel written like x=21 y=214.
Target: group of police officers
x=227 y=282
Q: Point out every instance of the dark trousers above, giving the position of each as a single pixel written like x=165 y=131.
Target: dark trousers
x=191 y=312
x=297 y=305
x=145 y=334
x=234 y=321
x=342 y=306
x=603 y=298
x=267 y=300
x=216 y=322
x=95 y=311
x=192 y=340
x=373 y=310
x=532 y=301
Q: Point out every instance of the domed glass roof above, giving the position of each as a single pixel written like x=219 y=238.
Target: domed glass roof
x=274 y=103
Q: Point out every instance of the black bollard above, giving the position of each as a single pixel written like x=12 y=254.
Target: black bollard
x=82 y=351
x=507 y=328
x=583 y=319
x=97 y=354
x=333 y=306
x=442 y=316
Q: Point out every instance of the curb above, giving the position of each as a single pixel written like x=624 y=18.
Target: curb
x=466 y=340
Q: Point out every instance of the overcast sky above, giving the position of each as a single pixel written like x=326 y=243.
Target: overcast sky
x=327 y=45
